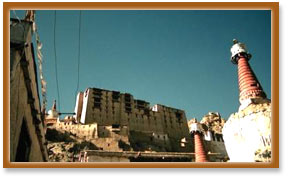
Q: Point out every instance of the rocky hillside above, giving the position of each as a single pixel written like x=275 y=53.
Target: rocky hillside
x=63 y=147
x=213 y=121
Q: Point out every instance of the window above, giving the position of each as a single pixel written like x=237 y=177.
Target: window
x=115 y=126
x=213 y=136
x=178 y=115
x=218 y=137
x=115 y=96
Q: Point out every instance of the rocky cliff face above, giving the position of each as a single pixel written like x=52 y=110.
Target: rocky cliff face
x=213 y=122
x=67 y=151
x=63 y=147
x=247 y=134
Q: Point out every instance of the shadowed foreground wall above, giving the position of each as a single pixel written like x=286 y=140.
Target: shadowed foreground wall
x=26 y=126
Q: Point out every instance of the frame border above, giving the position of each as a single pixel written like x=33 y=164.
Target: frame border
x=273 y=6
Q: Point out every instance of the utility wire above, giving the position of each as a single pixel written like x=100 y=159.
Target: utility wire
x=79 y=53
x=55 y=57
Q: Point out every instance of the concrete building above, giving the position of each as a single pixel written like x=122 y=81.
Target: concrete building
x=157 y=128
x=27 y=140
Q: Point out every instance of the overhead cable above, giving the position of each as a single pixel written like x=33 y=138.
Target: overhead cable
x=79 y=55
x=55 y=57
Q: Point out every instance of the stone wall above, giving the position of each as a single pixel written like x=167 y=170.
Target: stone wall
x=105 y=138
x=247 y=134
x=88 y=131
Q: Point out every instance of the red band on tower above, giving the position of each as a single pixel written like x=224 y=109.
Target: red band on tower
x=249 y=87
x=200 y=155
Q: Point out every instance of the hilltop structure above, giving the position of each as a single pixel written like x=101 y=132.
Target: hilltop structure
x=158 y=128
x=247 y=133
x=122 y=128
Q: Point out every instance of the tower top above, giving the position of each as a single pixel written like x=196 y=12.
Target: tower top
x=235 y=41
x=54 y=106
x=238 y=49
x=53 y=112
x=249 y=86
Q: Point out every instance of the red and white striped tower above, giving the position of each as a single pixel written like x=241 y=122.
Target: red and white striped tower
x=249 y=86
x=200 y=154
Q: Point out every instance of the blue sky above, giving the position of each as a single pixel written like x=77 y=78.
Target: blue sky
x=176 y=58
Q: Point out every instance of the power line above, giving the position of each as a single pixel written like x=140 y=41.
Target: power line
x=55 y=57
x=79 y=53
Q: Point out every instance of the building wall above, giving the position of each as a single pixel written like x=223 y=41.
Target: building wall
x=88 y=131
x=96 y=158
x=112 y=108
x=79 y=105
x=214 y=143
x=26 y=126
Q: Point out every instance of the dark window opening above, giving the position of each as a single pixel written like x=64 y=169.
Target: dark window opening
x=97 y=105
x=97 y=90
x=24 y=144
x=97 y=94
x=115 y=126
x=213 y=136
x=115 y=96
x=178 y=115
x=128 y=110
x=50 y=124
x=219 y=137
x=128 y=105
x=97 y=100
x=127 y=97
x=147 y=112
